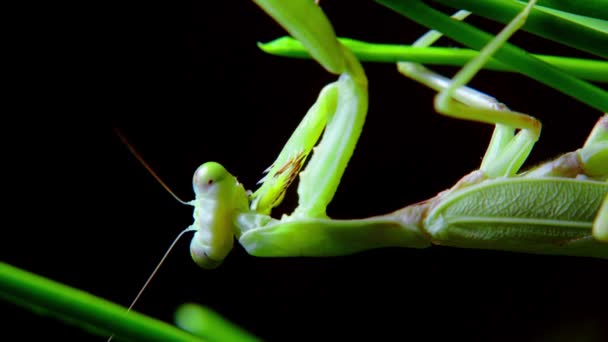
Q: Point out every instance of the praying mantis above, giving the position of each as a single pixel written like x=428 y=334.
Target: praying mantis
x=257 y=219
x=431 y=279
x=544 y=212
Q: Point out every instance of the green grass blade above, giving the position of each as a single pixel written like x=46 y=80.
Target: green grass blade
x=205 y=323
x=593 y=23
x=588 y=69
x=595 y=8
x=73 y=306
x=541 y=23
x=306 y=21
x=508 y=53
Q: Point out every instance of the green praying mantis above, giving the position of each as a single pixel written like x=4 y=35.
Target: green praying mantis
x=556 y=208
x=559 y=207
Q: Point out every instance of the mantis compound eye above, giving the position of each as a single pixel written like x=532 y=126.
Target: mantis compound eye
x=207 y=176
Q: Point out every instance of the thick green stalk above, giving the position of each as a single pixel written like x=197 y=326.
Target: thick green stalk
x=73 y=306
x=508 y=53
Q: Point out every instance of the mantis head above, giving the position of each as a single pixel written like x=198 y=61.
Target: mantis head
x=219 y=197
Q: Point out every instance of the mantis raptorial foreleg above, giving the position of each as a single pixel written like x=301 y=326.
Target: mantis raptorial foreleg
x=293 y=156
x=341 y=108
x=340 y=111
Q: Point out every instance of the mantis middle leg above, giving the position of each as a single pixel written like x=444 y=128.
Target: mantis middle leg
x=507 y=151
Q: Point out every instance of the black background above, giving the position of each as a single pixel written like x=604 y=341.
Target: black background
x=186 y=84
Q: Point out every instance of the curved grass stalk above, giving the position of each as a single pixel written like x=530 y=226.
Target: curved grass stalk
x=587 y=69
x=91 y=313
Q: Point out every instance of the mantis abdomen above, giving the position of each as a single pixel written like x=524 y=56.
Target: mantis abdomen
x=544 y=215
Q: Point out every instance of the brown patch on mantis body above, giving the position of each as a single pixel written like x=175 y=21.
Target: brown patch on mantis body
x=291 y=168
x=295 y=163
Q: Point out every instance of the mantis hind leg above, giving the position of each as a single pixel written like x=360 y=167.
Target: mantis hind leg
x=507 y=151
x=600 y=225
x=594 y=158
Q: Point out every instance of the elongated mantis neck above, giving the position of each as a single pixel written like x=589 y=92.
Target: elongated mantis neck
x=264 y=236
x=298 y=235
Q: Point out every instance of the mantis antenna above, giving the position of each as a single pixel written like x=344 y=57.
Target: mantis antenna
x=162 y=260
x=145 y=164
x=166 y=187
